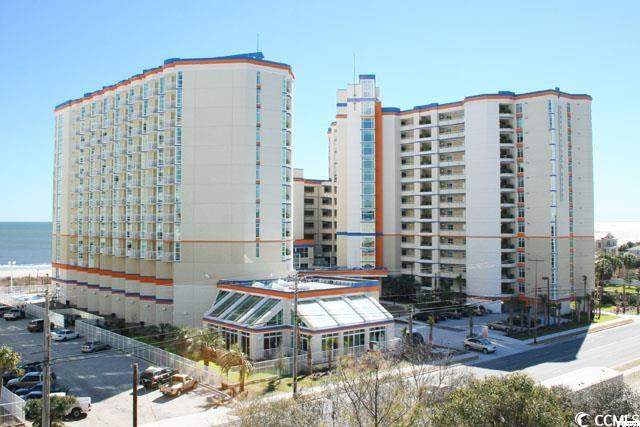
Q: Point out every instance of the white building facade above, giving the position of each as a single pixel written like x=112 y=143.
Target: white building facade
x=492 y=194
x=170 y=180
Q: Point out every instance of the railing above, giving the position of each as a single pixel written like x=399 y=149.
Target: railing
x=281 y=363
x=147 y=352
x=11 y=409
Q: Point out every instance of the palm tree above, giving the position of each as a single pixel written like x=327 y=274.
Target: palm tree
x=211 y=345
x=604 y=268
x=235 y=357
x=461 y=282
x=9 y=361
x=185 y=336
x=164 y=329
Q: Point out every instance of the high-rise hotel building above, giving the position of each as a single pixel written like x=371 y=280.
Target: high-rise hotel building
x=171 y=180
x=493 y=193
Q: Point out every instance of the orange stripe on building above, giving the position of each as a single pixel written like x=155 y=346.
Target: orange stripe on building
x=301 y=294
x=115 y=274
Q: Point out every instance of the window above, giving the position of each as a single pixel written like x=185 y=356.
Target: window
x=329 y=341
x=377 y=334
x=367 y=123
x=518 y=108
x=271 y=342
x=367 y=108
x=353 y=339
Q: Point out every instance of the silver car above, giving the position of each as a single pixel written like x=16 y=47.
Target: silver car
x=480 y=344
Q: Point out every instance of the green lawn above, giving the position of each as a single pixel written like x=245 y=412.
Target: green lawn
x=542 y=331
x=631 y=290
x=605 y=317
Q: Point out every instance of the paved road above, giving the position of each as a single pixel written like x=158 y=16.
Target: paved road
x=610 y=348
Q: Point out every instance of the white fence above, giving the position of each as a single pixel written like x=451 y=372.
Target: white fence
x=32 y=310
x=11 y=409
x=153 y=355
x=282 y=366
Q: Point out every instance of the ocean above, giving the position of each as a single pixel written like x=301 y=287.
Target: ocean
x=26 y=243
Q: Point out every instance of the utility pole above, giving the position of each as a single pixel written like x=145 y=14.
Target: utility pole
x=584 y=281
x=410 y=327
x=624 y=297
x=548 y=307
x=535 y=314
x=46 y=385
x=296 y=331
x=135 y=395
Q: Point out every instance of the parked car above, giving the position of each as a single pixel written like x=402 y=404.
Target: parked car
x=38 y=388
x=479 y=310
x=30 y=367
x=35 y=325
x=479 y=344
x=93 y=346
x=4 y=308
x=27 y=380
x=83 y=406
x=21 y=370
x=452 y=314
x=499 y=325
x=178 y=384
x=14 y=314
x=154 y=376
x=64 y=335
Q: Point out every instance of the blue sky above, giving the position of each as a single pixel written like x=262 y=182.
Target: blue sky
x=421 y=52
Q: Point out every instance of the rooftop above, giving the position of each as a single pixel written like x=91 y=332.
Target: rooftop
x=252 y=57
x=308 y=284
x=500 y=94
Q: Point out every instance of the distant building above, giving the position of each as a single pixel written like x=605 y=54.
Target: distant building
x=314 y=222
x=258 y=315
x=634 y=251
x=607 y=244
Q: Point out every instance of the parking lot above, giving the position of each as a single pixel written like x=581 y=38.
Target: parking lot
x=452 y=333
x=106 y=377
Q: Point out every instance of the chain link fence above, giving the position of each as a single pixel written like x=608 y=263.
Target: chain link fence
x=153 y=355
x=11 y=409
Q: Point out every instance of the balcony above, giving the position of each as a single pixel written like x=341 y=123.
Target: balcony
x=507 y=261
x=505 y=109
x=118 y=251
x=133 y=253
x=506 y=139
x=507 y=289
x=149 y=164
x=507 y=247
x=506 y=230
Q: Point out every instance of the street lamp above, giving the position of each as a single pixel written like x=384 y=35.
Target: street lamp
x=547 y=308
